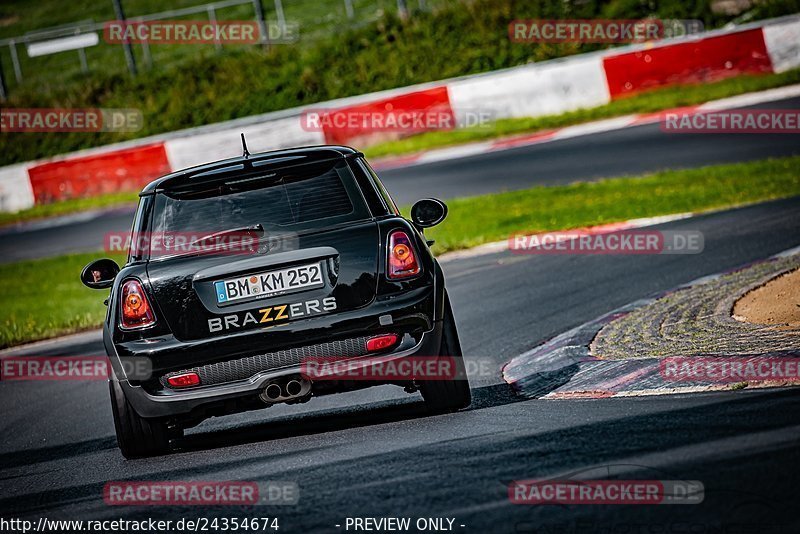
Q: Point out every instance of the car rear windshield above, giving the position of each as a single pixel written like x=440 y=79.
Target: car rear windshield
x=294 y=199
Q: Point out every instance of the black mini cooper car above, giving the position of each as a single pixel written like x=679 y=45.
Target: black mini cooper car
x=323 y=266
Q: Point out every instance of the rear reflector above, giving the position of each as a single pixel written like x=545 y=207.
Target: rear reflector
x=184 y=381
x=379 y=343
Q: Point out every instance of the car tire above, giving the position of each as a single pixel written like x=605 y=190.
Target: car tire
x=443 y=396
x=137 y=436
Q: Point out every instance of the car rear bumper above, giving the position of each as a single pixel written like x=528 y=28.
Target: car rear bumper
x=412 y=310
x=415 y=313
x=184 y=403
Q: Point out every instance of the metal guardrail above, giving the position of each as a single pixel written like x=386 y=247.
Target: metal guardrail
x=209 y=9
x=89 y=26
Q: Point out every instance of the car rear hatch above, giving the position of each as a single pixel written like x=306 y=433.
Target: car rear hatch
x=307 y=247
x=268 y=289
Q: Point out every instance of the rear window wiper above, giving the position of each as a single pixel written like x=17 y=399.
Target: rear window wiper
x=257 y=229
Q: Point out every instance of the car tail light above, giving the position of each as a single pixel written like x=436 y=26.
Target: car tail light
x=136 y=309
x=402 y=259
x=184 y=380
x=379 y=343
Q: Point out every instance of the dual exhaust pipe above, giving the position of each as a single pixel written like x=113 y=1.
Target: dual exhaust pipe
x=281 y=392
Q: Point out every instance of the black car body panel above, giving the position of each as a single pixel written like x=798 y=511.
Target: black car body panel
x=354 y=298
x=189 y=281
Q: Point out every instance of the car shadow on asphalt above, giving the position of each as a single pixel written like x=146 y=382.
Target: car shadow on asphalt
x=33 y=456
x=334 y=420
x=285 y=427
x=594 y=440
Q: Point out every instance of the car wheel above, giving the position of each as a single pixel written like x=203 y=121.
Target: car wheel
x=137 y=436
x=442 y=396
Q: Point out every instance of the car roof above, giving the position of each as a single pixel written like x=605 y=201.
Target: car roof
x=250 y=162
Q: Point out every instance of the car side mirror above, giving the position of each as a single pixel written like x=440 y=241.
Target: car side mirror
x=428 y=212
x=100 y=274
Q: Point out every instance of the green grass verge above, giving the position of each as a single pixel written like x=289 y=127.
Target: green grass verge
x=65 y=207
x=44 y=298
x=652 y=101
x=476 y=220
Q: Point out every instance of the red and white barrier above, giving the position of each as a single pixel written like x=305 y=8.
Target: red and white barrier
x=545 y=88
x=695 y=61
x=183 y=152
x=536 y=89
x=370 y=119
x=15 y=188
x=110 y=172
x=783 y=44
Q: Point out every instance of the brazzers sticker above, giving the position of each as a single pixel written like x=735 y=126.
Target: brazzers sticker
x=279 y=313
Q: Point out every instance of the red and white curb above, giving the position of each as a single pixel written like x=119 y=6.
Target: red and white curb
x=564 y=368
x=580 y=130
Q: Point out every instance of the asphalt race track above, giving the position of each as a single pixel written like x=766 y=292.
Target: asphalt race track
x=630 y=151
x=373 y=454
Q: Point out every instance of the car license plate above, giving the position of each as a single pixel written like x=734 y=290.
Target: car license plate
x=270 y=283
